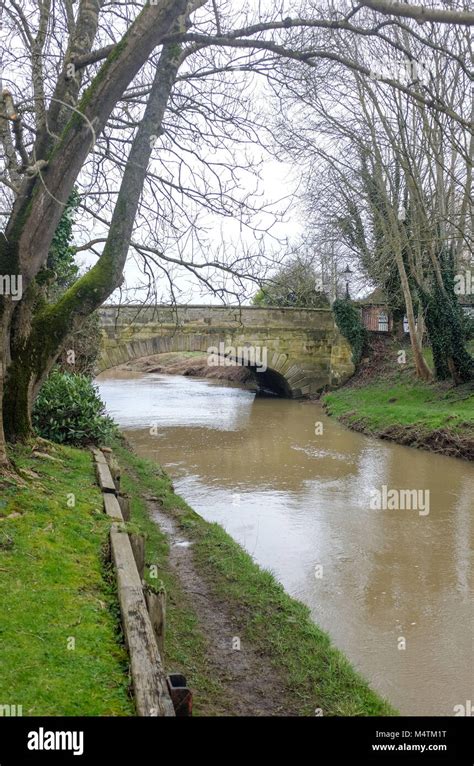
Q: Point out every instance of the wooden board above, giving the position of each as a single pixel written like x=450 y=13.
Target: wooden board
x=106 y=483
x=98 y=455
x=112 y=506
x=149 y=681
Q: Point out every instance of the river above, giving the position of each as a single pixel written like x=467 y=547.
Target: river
x=293 y=487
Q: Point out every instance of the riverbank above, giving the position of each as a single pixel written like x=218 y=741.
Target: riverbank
x=244 y=645
x=384 y=399
x=190 y=364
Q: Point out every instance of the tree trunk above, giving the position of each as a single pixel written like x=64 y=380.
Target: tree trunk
x=3 y=450
x=5 y=320
x=443 y=322
x=17 y=403
x=421 y=367
x=37 y=343
x=398 y=326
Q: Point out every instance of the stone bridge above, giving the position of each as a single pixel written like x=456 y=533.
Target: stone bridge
x=302 y=348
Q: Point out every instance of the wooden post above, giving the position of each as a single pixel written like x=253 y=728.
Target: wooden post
x=114 y=470
x=124 y=502
x=138 y=547
x=156 y=605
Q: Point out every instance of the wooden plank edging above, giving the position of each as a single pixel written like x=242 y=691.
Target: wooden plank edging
x=106 y=483
x=151 y=693
x=112 y=506
x=148 y=675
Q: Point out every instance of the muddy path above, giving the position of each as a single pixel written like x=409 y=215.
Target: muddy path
x=251 y=682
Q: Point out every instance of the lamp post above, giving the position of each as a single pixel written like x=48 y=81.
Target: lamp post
x=347 y=276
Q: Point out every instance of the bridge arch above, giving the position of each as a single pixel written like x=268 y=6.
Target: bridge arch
x=302 y=348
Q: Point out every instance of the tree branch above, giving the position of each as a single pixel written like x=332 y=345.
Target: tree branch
x=420 y=13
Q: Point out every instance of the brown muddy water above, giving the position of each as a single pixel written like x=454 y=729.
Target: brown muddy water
x=299 y=501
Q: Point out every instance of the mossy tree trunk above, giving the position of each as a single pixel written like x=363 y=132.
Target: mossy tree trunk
x=445 y=331
x=421 y=367
x=3 y=446
x=27 y=355
x=36 y=342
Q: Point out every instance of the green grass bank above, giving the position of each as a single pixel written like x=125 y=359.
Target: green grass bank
x=61 y=651
x=386 y=400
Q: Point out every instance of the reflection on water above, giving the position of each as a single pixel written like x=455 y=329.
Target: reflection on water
x=296 y=500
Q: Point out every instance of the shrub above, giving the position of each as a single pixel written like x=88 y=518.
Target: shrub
x=85 y=343
x=296 y=284
x=350 y=325
x=69 y=410
x=468 y=326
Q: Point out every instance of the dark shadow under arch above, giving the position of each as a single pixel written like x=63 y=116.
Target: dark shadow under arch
x=271 y=382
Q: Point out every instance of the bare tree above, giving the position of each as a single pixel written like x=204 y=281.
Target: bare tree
x=395 y=177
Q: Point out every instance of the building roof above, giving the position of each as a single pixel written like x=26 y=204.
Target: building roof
x=375 y=298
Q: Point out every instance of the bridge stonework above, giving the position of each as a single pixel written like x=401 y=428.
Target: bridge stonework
x=305 y=352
